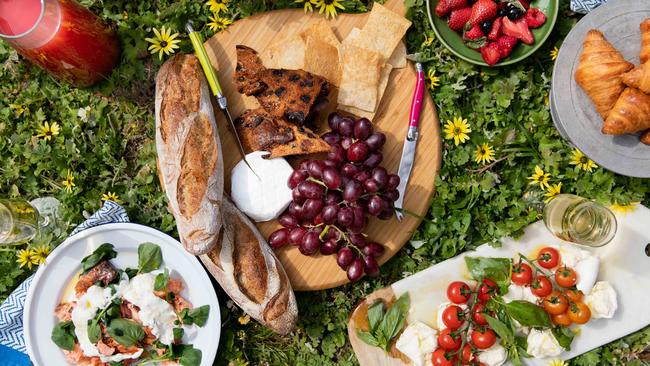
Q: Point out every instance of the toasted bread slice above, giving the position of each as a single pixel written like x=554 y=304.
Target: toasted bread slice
x=247 y=73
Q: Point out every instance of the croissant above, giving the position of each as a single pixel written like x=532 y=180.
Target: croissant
x=645 y=41
x=638 y=78
x=630 y=114
x=645 y=137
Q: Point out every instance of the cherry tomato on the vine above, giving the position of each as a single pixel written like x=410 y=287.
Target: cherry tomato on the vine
x=562 y=319
x=573 y=295
x=542 y=286
x=483 y=337
x=579 y=312
x=566 y=277
x=467 y=354
x=555 y=303
x=453 y=317
x=449 y=340
x=487 y=289
x=522 y=274
x=440 y=357
x=478 y=314
x=548 y=257
x=458 y=292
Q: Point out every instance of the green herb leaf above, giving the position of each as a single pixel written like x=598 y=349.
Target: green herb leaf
x=103 y=252
x=375 y=314
x=149 y=257
x=528 y=314
x=63 y=335
x=496 y=269
x=160 y=283
x=368 y=338
x=125 y=332
x=178 y=334
x=189 y=356
x=198 y=316
x=564 y=336
x=94 y=330
x=131 y=272
x=501 y=329
x=393 y=320
x=522 y=346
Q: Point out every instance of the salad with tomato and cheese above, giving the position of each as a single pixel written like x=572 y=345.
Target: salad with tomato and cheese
x=513 y=308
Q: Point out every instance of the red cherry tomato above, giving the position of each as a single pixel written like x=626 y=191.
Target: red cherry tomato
x=555 y=303
x=579 y=313
x=522 y=274
x=483 y=338
x=541 y=287
x=458 y=292
x=477 y=315
x=453 y=317
x=487 y=289
x=441 y=358
x=573 y=295
x=548 y=257
x=467 y=354
x=449 y=340
x=566 y=277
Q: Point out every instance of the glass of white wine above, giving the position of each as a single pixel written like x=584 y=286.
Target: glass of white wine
x=580 y=220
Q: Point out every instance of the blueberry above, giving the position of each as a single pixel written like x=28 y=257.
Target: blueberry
x=514 y=13
x=502 y=12
x=486 y=26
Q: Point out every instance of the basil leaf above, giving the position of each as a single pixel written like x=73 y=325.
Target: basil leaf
x=394 y=319
x=496 y=269
x=94 y=330
x=63 y=335
x=501 y=329
x=198 y=316
x=522 y=346
x=149 y=257
x=103 y=252
x=564 y=337
x=375 y=314
x=160 y=283
x=178 y=333
x=125 y=332
x=190 y=356
x=367 y=338
x=528 y=314
x=131 y=272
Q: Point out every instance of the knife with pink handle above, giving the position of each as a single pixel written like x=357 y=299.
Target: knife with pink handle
x=410 y=142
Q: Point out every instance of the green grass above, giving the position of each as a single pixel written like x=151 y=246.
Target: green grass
x=113 y=150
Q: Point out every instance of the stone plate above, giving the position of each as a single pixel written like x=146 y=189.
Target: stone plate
x=572 y=111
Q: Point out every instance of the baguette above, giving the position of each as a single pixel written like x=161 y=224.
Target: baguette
x=189 y=151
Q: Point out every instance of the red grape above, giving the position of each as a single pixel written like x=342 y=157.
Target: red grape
x=344 y=257
x=371 y=266
x=392 y=182
x=387 y=213
x=345 y=216
x=375 y=205
x=311 y=208
x=358 y=151
x=352 y=191
x=357 y=239
x=346 y=127
x=336 y=153
x=362 y=129
x=311 y=190
x=373 y=160
x=315 y=168
x=329 y=213
x=329 y=247
x=332 y=178
x=373 y=249
x=331 y=138
x=330 y=163
x=296 y=177
x=333 y=197
x=348 y=170
x=295 y=210
x=346 y=142
x=295 y=235
x=362 y=176
x=279 y=238
x=380 y=175
x=392 y=195
x=310 y=243
x=359 y=222
x=371 y=185
x=375 y=141
x=355 y=269
x=297 y=196
x=288 y=221
x=304 y=164
x=333 y=121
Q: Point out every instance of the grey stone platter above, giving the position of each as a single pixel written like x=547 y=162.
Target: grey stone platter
x=573 y=112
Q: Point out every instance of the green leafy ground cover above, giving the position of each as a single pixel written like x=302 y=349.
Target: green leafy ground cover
x=109 y=148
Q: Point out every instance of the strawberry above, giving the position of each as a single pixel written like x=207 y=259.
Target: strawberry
x=495 y=32
x=456 y=4
x=483 y=10
x=490 y=53
x=459 y=18
x=535 y=18
x=518 y=29
x=442 y=8
x=474 y=33
x=506 y=45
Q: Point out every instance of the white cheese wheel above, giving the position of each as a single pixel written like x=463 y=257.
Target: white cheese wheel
x=264 y=194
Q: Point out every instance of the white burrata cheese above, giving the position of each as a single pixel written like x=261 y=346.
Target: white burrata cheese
x=583 y=262
x=417 y=342
x=602 y=300
x=493 y=356
x=155 y=312
x=441 y=309
x=516 y=292
x=263 y=194
x=542 y=343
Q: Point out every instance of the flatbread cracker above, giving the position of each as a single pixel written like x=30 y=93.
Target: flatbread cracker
x=287 y=53
x=359 y=77
x=383 y=83
x=351 y=37
x=398 y=58
x=322 y=58
x=383 y=31
x=323 y=31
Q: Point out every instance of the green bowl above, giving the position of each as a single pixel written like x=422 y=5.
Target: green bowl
x=454 y=41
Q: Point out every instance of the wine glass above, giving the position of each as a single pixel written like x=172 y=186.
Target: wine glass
x=20 y=221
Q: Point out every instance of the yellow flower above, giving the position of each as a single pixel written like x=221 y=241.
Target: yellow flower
x=540 y=178
x=554 y=52
x=244 y=319
x=427 y=41
x=432 y=79
x=39 y=254
x=165 y=42
x=111 y=196
x=46 y=131
x=19 y=109
x=125 y=15
x=552 y=191
x=457 y=130
x=580 y=160
x=68 y=183
x=329 y=7
x=557 y=363
x=217 y=6
x=624 y=209
x=484 y=153
x=218 y=23
x=308 y=5
x=547 y=100
x=25 y=258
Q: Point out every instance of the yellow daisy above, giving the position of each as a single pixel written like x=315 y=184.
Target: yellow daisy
x=624 y=209
x=308 y=5
x=165 y=42
x=552 y=191
x=47 y=130
x=557 y=363
x=457 y=130
x=217 y=6
x=427 y=42
x=218 y=23
x=484 y=153
x=547 y=99
x=329 y=7
x=68 y=183
x=432 y=79
x=19 y=109
x=111 y=196
x=580 y=160
x=39 y=254
x=25 y=258
x=554 y=52
x=244 y=319
x=540 y=177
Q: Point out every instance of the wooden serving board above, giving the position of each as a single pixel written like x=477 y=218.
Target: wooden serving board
x=259 y=31
x=623 y=263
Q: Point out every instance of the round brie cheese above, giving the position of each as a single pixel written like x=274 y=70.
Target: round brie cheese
x=263 y=194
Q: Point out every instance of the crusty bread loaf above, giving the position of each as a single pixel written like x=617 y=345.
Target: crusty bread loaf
x=189 y=152
x=247 y=269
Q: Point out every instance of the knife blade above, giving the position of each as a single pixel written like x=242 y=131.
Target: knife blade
x=411 y=140
x=215 y=86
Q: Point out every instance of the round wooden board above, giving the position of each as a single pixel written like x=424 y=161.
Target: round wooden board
x=259 y=31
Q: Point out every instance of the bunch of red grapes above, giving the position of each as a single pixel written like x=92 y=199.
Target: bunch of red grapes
x=332 y=196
